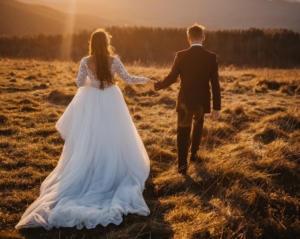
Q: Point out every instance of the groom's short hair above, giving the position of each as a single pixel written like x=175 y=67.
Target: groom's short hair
x=196 y=31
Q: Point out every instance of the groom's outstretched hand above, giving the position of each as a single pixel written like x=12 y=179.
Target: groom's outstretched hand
x=215 y=115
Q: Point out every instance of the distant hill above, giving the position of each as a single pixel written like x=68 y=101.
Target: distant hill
x=53 y=16
x=17 y=18
x=214 y=14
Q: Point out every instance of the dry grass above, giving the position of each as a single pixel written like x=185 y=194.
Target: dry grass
x=246 y=186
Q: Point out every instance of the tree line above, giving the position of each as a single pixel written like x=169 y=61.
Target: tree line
x=146 y=45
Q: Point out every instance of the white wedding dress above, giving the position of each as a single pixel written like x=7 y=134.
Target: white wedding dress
x=103 y=166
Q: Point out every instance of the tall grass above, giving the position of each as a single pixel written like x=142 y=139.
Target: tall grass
x=246 y=184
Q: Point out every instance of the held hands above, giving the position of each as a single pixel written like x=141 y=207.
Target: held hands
x=151 y=83
x=215 y=115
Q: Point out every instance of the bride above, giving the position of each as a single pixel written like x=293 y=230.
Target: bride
x=104 y=165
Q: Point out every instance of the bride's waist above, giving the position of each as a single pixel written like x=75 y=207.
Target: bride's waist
x=96 y=84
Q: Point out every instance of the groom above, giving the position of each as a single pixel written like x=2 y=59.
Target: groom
x=198 y=69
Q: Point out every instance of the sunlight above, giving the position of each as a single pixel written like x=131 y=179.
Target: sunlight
x=66 y=50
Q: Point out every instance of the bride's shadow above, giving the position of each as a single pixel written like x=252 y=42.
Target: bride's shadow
x=133 y=226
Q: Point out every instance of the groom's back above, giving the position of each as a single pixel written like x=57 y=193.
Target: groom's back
x=196 y=67
x=196 y=64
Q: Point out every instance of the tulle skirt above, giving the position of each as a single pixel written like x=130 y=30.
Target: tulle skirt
x=102 y=170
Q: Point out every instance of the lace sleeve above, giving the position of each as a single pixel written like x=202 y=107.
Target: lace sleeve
x=82 y=74
x=121 y=71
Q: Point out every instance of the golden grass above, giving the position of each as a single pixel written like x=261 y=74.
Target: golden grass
x=246 y=185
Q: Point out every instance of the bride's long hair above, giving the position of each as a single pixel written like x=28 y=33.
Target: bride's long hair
x=100 y=48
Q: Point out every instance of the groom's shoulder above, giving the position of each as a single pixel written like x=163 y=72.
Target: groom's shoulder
x=212 y=54
x=182 y=52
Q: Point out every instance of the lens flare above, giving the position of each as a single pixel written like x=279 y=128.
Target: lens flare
x=66 y=50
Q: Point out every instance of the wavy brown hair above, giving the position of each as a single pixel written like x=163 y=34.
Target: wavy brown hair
x=101 y=49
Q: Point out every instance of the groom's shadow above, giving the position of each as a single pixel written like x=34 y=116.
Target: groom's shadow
x=133 y=226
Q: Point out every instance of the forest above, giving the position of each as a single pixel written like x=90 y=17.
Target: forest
x=275 y=48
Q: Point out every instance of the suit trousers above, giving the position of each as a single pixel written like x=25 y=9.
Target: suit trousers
x=186 y=120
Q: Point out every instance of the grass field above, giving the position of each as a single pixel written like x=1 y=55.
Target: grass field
x=246 y=186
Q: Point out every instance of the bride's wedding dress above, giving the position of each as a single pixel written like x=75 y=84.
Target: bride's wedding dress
x=103 y=166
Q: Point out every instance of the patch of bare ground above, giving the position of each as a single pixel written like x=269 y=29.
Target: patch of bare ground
x=59 y=97
x=245 y=184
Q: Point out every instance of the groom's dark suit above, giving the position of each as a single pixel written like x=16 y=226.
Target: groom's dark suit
x=198 y=69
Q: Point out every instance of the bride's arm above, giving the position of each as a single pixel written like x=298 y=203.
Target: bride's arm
x=121 y=71
x=82 y=74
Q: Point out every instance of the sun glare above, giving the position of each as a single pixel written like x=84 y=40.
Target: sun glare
x=69 y=29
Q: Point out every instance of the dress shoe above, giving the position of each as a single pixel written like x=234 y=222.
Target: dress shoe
x=193 y=157
x=182 y=172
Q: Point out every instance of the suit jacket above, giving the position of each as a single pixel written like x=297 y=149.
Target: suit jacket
x=198 y=70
